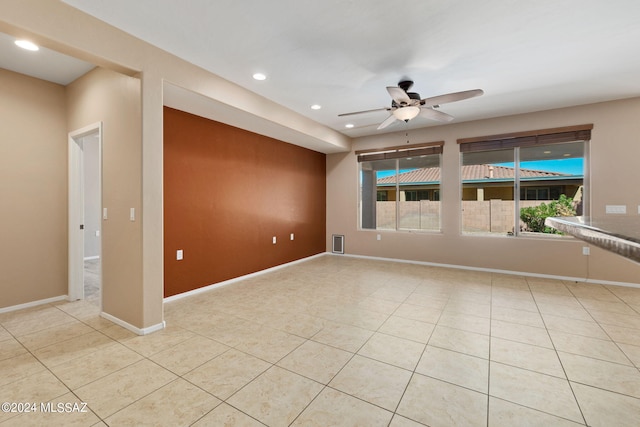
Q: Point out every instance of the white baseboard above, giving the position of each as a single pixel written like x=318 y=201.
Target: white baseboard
x=610 y=282
x=494 y=270
x=130 y=327
x=430 y=264
x=238 y=279
x=33 y=304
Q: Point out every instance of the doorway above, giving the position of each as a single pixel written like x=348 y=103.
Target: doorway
x=85 y=214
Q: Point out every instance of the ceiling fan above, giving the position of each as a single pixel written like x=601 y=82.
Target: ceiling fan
x=407 y=105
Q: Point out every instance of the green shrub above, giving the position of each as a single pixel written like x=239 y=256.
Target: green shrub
x=534 y=216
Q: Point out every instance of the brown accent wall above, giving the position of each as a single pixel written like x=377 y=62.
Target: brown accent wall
x=227 y=193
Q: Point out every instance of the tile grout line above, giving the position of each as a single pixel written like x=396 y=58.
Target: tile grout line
x=395 y=411
x=584 y=419
x=489 y=356
x=413 y=373
x=605 y=331
x=325 y=386
x=357 y=296
x=47 y=368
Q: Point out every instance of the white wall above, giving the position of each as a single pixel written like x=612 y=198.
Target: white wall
x=614 y=172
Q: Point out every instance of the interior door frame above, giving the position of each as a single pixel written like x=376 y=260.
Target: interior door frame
x=76 y=208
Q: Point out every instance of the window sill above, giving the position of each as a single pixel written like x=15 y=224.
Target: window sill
x=524 y=235
x=385 y=230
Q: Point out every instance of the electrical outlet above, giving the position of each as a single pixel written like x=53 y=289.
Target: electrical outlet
x=616 y=209
x=585 y=250
x=379 y=237
x=179 y=255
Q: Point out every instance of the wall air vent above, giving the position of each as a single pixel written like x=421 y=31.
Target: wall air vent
x=338 y=244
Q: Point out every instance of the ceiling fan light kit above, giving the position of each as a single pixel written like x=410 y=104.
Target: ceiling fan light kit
x=407 y=105
x=406 y=113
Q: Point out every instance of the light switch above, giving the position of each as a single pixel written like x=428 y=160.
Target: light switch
x=179 y=254
x=291 y=236
x=132 y=214
x=378 y=237
x=97 y=233
x=274 y=240
x=104 y=213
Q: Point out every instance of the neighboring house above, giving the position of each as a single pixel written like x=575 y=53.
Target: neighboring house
x=481 y=182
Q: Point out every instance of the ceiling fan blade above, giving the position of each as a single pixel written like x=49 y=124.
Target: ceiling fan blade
x=387 y=122
x=364 y=111
x=432 y=114
x=398 y=95
x=450 y=97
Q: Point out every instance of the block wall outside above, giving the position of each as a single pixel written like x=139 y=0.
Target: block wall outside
x=489 y=216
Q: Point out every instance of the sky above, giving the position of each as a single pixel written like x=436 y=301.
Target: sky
x=572 y=166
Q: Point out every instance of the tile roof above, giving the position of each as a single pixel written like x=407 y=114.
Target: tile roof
x=469 y=173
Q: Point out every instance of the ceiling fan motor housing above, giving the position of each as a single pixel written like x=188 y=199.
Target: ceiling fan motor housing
x=412 y=95
x=405 y=85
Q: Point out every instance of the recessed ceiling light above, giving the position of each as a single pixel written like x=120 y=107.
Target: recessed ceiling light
x=259 y=76
x=26 y=44
x=349 y=125
x=316 y=107
x=567 y=155
x=547 y=152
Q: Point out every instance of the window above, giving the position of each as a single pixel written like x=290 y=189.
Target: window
x=411 y=196
x=400 y=188
x=417 y=195
x=545 y=169
x=538 y=193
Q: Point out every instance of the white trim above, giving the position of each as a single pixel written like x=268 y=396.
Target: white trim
x=75 y=217
x=130 y=327
x=239 y=279
x=494 y=270
x=75 y=210
x=33 y=303
x=89 y=258
x=610 y=282
x=430 y=264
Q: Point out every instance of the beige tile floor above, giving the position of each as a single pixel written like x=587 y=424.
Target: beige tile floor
x=340 y=341
x=92 y=281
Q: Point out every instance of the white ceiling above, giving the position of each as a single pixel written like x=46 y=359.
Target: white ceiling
x=44 y=64
x=341 y=54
